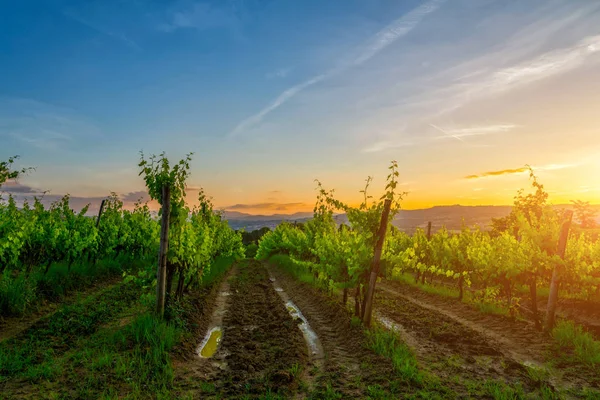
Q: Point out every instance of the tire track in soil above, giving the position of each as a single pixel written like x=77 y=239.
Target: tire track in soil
x=449 y=348
x=261 y=342
x=210 y=367
x=348 y=366
x=503 y=342
x=492 y=345
x=316 y=355
x=190 y=369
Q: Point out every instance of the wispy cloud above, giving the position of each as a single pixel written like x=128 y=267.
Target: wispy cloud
x=489 y=83
x=380 y=41
x=283 y=97
x=15 y=187
x=102 y=29
x=513 y=171
x=43 y=125
x=397 y=29
x=278 y=73
x=45 y=140
x=133 y=197
x=498 y=173
x=459 y=133
x=446 y=133
x=386 y=145
x=203 y=16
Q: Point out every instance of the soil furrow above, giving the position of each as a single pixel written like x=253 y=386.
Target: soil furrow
x=497 y=342
x=349 y=368
x=456 y=339
x=261 y=350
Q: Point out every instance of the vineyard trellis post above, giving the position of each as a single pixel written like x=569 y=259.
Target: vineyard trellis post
x=100 y=213
x=161 y=274
x=429 y=230
x=556 y=272
x=376 y=262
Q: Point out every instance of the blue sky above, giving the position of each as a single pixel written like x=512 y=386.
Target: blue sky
x=270 y=95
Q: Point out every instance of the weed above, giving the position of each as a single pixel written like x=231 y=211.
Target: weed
x=491 y=308
x=355 y=322
x=295 y=370
x=571 y=336
x=537 y=374
x=216 y=270
x=298 y=271
x=389 y=345
x=21 y=293
x=206 y=387
x=501 y=391
x=330 y=393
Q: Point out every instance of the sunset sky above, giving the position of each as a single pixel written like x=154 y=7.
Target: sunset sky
x=271 y=95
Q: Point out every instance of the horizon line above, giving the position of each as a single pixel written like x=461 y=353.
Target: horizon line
x=401 y=209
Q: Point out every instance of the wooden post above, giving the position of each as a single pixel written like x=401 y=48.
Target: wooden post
x=100 y=213
x=554 y=284
x=429 y=230
x=161 y=274
x=376 y=262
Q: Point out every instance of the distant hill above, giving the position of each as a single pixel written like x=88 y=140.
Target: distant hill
x=240 y=216
x=407 y=220
x=249 y=222
x=451 y=217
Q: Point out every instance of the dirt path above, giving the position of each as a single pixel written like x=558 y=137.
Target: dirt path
x=516 y=341
x=457 y=339
x=349 y=369
x=316 y=354
x=12 y=326
x=209 y=308
x=261 y=351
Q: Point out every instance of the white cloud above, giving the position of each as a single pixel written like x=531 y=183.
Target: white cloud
x=380 y=41
x=385 y=145
x=43 y=125
x=202 y=16
x=397 y=29
x=482 y=130
x=482 y=84
x=279 y=73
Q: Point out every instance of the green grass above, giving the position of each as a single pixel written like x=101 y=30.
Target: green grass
x=17 y=294
x=389 y=345
x=32 y=354
x=445 y=291
x=103 y=346
x=451 y=292
x=583 y=345
x=20 y=293
x=501 y=391
x=298 y=271
x=216 y=270
x=491 y=308
x=251 y=250
x=144 y=356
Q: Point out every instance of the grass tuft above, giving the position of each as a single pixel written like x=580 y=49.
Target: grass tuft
x=389 y=345
x=571 y=336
